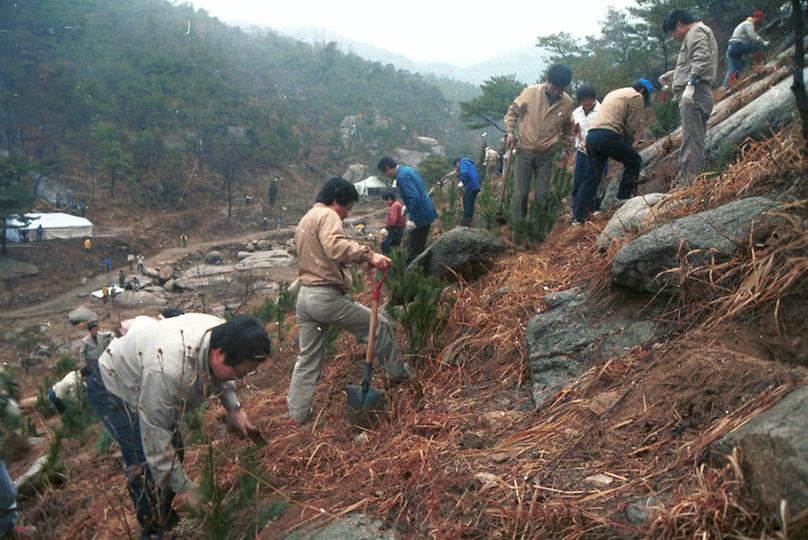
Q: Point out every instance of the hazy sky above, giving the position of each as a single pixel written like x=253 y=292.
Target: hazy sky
x=458 y=32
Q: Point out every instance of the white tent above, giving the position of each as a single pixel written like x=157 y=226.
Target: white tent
x=371 y=186
x=56 y=225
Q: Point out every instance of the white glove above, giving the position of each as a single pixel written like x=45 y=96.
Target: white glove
x=765 y=43
x=383 y=232
x=687 y=95
x=460 y=185
x=410 y=225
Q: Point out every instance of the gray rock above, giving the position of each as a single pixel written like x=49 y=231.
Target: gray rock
x=355 y=526
x=214 y=257
x=263 y=245
x=250 y=246
x=243 y=254
x=265 y=259
x=408 y=157
x=641 y=510
x=140 y=298
x=468 y=252
x=82 y=314
x=774 y=446
x=204 y=270
x=716 y=233
x=352 y=221
x=172 y=286
x=10 y=269
x=355 y=172
x=569 y=337
x=634 y=215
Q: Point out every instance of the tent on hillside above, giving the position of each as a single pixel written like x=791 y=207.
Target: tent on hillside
x=371 y=186
x=56 y=225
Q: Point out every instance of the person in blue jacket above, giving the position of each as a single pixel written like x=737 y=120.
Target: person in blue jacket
x=470 y=180
x=420 y=210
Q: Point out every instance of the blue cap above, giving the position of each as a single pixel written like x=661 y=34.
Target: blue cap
x=647 y=84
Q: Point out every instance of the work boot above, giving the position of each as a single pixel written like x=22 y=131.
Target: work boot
x=758 y=57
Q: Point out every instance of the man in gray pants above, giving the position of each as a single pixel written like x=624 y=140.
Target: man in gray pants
x=691 y=80
x=324 y=255
x=542 y=114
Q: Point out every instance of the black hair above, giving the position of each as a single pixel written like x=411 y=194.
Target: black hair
x=675 y=17
x=455 y=162
x=85 y=371
x=386 y=163
x=169 y=312
x=91 y=325
x=389 y=196
x=241 y=339
x=559 y=75
x=338 y=190
x=586 y=91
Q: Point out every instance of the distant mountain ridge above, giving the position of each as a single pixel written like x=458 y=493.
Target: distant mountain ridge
x=526 y=63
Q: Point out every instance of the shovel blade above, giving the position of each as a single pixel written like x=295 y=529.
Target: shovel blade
x=364 y=407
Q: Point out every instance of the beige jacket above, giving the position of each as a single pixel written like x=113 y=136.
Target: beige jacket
x=324 y=251
x=68 y=387
x=622 y=111
x=162 y=371
x=541 y=125
x=698 y=58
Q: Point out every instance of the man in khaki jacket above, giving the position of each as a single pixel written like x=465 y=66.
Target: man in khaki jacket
x=148 y=379
x=542 y=115
x=612 y=134
x=691 y=80
x=324 y=254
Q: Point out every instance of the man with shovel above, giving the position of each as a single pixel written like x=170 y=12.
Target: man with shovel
x=325 y=254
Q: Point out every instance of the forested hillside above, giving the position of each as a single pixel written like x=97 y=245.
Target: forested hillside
x=146 y=89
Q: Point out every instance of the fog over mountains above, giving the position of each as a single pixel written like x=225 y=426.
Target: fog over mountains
x=526 y=63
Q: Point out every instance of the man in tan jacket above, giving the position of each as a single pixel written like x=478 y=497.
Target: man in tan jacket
x=612 y=134
x=692 y=79
x=324 y=254
x=542 y=116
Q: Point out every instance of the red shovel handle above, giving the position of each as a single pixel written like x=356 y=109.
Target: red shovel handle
x=377 y=283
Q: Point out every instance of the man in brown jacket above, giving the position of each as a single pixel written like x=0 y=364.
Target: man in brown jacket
x=542 y=116
x=612 y=134
x=692 y=79
x=324 y=255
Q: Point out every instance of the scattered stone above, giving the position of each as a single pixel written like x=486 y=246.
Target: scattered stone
x=500 y=458
x=488 y=480
x=361 y=438
x=599 y=480
x=82 y=314
x=642 y=510
x=465 y=251
x=265 y=259
x=140 y=298
x=567 y=338
x=471 y=440
x=243 y=254
x=355 y=172
x=774 y=446
x=250 y=246
x=263 y=245
x=172 y=286
x=214 y=257
x=502 y=419
x=604 y=401
x=716 y=234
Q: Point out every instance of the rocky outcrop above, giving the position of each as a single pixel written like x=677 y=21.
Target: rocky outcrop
x=10 y=269
x=140 y=298
x=717 y=234
x=774 y=447
x=355 y=172
x=273 y=258
x=214 y=257
x=463 y=251
x=405 y=156
x=568 y=338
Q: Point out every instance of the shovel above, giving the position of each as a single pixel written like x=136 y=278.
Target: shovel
x=365 y=403
x=500 y=216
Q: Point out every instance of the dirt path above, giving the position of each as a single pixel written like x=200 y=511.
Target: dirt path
x=68 y=300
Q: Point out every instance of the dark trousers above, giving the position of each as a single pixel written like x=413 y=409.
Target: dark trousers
x=152 y=504
x=58 y=403
x=469 y=196
x=601 y=145
x=416 y=241
x=578 y=180
x=735 y=53
x=393 y=239
x=8 y=502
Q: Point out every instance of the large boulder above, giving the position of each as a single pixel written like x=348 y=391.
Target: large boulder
x=467 y=252
x=140 y=298
x=354 y=526
x=214 y=257
x=265 y=259
x=570 y=336
x=355 y=172
x=716 y=234
x=82 y=314
x=774 y=446
x=10 y=269
x=405 y=156
x=636 y=214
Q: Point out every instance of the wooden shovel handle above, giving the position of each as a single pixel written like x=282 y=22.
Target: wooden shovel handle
x=374 y=313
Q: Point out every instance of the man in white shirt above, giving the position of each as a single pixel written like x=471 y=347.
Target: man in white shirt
x=581 y=119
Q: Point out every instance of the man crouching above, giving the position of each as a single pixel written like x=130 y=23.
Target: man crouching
x=324 y=255
x=148 y=379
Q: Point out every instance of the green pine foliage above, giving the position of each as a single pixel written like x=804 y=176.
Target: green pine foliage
x=542 y=218
x=666 y=117
x=418 y=303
